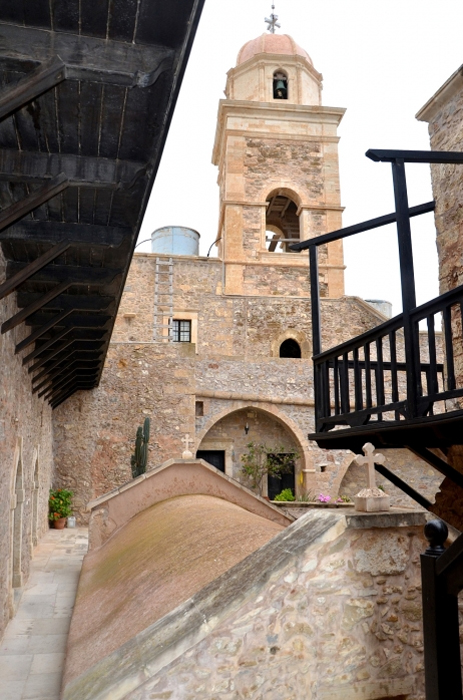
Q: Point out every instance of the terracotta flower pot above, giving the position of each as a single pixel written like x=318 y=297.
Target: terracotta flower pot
x=59 y=524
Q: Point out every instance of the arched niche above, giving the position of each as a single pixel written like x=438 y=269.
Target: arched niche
x=282 y=224
x=298 y=338
x=16 y=519
x=35 y=500
x=280 y=85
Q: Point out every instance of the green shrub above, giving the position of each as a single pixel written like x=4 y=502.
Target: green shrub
x=59 y=504
x=285 y=495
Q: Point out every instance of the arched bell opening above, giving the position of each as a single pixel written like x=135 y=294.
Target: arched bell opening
x=282 y=223
x=280 y=85
x=290 y=348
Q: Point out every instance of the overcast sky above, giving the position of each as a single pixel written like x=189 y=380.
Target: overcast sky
x=381 y=61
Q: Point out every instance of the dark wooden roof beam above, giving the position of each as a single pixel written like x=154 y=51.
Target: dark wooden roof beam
x=42 y=348
x=64 y=370
x=65 y=381
x=77 y=234
x=65 y=353
x=41 y=330
x=87 y=57
x=77 y=320
x=35 y=305
x=51 y=354
x=18 y=210
x=43 y=78
x=30 y=270
x=90 y=171
x=60 y=364
x=77 y=302
x=98 y=276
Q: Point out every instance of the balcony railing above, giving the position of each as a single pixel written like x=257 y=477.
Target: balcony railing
x=370 y=377
x=391 y=373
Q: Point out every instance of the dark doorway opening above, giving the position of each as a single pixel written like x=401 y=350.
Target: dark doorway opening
x=276 y=484
x=290 y=348
x=214 y=457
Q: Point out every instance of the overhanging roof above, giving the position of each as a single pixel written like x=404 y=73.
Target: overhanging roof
x=88 y=89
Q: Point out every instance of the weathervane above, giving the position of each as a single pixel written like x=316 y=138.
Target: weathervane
x=272 y=22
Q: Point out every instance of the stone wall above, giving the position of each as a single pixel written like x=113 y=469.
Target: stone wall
x=341 y=622
x=25 y=461
x=444 y=114
x=197 y=388
x=328 y=609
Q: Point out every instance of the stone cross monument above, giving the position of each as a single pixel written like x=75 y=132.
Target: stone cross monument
x=187 y=454
x=371 y=499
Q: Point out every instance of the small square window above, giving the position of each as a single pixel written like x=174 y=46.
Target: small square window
x=181 y=331
x=199 y=408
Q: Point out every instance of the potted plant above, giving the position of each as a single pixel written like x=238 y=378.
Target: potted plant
x=261 y=461
x=59 y=507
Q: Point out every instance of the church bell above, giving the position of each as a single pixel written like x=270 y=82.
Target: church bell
x=280 y=90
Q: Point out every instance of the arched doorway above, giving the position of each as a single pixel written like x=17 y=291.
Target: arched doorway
x=232 y=434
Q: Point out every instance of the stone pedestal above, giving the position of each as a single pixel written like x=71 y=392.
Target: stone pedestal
x=372 y=501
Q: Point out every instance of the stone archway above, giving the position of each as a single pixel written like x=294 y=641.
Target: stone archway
x=232 y=429
x=35 y=499
x=16 y=522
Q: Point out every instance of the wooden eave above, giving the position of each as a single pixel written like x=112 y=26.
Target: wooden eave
x=87 y=92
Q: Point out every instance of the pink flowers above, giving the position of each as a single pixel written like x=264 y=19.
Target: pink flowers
x=323 y=499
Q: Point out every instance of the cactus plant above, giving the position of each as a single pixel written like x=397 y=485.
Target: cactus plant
x=139 y=459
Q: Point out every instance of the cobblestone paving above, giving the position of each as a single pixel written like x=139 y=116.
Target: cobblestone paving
x=33 y=649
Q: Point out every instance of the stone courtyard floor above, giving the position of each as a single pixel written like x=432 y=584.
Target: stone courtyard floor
x=33 y=649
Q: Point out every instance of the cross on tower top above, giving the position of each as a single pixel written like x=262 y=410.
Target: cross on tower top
x=272 y=22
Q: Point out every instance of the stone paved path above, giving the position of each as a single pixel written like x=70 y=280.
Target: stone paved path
x=32 y=650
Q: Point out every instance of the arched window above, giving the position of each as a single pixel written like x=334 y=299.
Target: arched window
x=280 y=85
x=290 y=348
x=282 y=223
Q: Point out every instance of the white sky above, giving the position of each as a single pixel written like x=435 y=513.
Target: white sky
x=380 y=60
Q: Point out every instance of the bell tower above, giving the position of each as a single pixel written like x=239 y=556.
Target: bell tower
x=276 y=148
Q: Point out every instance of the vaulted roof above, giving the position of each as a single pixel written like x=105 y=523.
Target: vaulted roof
x=87 y=91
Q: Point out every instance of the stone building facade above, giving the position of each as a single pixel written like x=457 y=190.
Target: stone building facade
x=26 y=461
x=233 y=382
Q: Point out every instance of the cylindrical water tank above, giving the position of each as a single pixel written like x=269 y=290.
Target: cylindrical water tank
x=384 y=306
x=175 y=240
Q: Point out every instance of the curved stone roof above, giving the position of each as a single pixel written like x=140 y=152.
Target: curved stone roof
x=162 y=557
x=271 y=43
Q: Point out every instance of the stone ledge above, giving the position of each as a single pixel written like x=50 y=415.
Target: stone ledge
x=393 y=518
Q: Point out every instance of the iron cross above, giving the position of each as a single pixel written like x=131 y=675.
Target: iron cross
x=272 y=22
x=371 y=458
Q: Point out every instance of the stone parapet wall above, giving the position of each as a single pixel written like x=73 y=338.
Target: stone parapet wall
x=26 y=463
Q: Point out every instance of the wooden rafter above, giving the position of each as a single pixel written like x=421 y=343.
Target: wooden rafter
x=45 y=346
x=90 y=58
x=18 y=210
x=43 y=78
x=43 y=329
x=94 y=171
x=35 y=305
x=27 y=272
x=78 y=234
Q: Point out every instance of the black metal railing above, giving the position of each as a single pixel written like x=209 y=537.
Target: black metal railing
x=368 y=377
x=386 y=373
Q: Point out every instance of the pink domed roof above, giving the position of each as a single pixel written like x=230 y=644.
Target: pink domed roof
x=271 y=43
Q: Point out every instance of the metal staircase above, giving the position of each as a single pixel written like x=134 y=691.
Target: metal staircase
x=163 y=300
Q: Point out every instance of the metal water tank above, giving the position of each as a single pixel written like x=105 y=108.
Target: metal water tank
x=385 y=307
x=175 y=240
